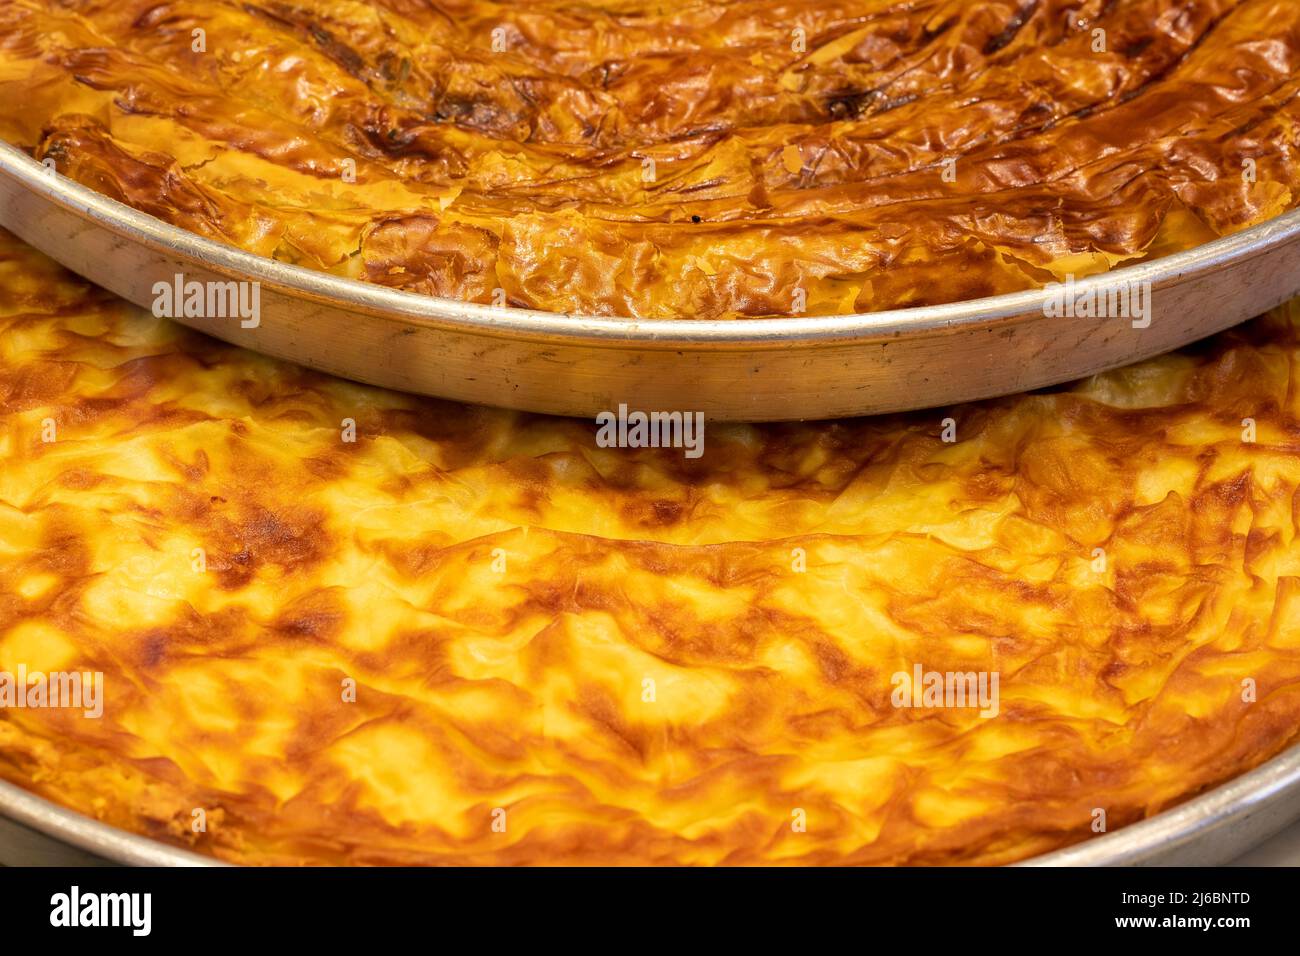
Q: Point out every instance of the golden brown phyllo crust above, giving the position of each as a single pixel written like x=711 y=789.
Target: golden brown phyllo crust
x=500 y=590
x=698 y=159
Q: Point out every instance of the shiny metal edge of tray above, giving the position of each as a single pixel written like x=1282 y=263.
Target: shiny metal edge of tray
x=745 y=369
x=1207 y=830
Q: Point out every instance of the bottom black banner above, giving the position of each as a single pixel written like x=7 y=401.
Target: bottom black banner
x=926 y=908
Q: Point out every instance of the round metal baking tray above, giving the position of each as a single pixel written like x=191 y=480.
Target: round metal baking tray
x=745 y=369
x=771 y=369
x=1208 y=830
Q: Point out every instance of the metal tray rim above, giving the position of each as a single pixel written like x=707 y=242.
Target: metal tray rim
x=1186 y=822
x=85 y=833
x=1135 y=844
x=138 y=227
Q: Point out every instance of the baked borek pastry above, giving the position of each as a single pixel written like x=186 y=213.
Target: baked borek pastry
x=695 y=160
x=475 y=636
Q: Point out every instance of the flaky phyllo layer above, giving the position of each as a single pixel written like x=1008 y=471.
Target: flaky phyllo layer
x=685 y=159
x=475 y=636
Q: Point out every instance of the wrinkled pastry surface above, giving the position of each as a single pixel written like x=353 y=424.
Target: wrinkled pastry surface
x=500 y=589
x=691 y=159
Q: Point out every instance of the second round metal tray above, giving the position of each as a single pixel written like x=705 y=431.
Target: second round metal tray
x=773 y=369
x=747 y=369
